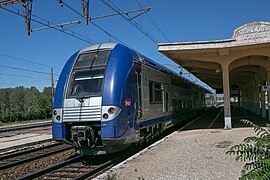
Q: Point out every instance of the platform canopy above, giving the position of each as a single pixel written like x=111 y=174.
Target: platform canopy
x=228 y=63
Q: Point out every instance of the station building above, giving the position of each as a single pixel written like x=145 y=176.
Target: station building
x=238 y=67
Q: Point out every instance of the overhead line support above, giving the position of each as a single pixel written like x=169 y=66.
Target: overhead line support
x=27 y=13
x=62 y=25
x=10 y=2
x=85 y=8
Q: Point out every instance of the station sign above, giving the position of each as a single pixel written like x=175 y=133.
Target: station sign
x=253 y=32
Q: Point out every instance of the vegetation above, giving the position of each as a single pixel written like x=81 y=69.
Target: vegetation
x=20 y=104
x=111 y=176
x=255 y=151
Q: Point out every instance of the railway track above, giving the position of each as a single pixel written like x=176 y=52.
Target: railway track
x=86 y=167
x=23 y=147
x=27 y=126
x=23 y=156
x=77 y=168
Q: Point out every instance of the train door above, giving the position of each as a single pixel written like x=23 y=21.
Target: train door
x=145 y=92
x=165 y=98
x=139 y=107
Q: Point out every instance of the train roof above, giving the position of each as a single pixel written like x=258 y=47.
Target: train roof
x=146 y=60
x=99 y=46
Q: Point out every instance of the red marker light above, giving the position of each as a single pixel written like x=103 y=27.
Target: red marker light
x=127 y=102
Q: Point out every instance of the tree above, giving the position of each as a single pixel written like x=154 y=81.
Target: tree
x=25 y=104
x=255 y=151
x=30 y=102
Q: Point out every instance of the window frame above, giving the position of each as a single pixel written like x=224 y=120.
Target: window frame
x=152 y=85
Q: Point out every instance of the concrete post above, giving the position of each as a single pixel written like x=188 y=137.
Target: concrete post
x=241 y=97
x=254 y=98
x=250 y=97
x=226 y=91
x=256 y=94
x=263 y=102
x=258 y=112
x=245 y=98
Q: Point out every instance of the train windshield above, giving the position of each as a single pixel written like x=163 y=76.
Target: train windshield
x=88 y=74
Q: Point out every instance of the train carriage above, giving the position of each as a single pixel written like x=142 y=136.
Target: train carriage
x=109 y=96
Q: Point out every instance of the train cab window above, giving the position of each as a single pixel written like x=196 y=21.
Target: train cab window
x=92 y=59
x=87 y=76
x=86 y=83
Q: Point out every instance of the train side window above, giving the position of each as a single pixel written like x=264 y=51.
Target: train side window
x=158 y=93
x=151 y=94
x=155 y=92
x=167 y=102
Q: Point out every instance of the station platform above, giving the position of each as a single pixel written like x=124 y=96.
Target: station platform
x=197 y=151
x=24 y=136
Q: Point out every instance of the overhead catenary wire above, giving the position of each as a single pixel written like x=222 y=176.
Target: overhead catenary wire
x=49 y=24
x=151 y=19
x=131 y=21
x=126 y=12
x=99 y=27
x=31 y=62
x=22 y=76
x=28 y=70
x=86 y=39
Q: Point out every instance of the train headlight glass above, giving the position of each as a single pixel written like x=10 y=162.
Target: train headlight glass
x=105 y=116
x=54 y=112
x=57 y=115
x=111 y=110
x=58 y=118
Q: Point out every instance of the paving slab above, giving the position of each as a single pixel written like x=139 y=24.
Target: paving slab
x=192 y=154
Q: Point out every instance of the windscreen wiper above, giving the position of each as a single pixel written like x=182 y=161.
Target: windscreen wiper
x=76 y=91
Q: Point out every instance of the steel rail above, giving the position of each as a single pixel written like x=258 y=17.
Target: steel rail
x=95 y=170
x=12 y=155
x=79 y=172
x=30 y=157
x=28 y=126
x=23 y=146
x=52 y=168
x=76 y=172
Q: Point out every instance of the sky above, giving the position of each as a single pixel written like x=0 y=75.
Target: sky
x=27 y=60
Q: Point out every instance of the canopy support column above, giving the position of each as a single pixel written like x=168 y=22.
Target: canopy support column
x=226 y=91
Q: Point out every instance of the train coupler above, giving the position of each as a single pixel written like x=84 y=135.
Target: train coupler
x=83 y=136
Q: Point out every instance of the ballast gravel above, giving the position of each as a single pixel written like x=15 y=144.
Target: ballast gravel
x=27 y=168
x=194 y=154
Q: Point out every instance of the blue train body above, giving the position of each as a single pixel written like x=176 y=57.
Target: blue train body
x=109 y=97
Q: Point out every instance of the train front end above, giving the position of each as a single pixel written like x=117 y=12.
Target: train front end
x=93 y=108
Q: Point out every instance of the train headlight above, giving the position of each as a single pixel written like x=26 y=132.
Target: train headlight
x=57 y=115
x=54 y=112
x=105 y=116
x=111 y=110
x=58 y=118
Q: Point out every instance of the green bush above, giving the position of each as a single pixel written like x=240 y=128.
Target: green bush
x=255 y=151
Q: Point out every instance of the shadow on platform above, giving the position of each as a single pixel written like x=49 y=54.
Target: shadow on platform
x=211 y=121
x=240 y=113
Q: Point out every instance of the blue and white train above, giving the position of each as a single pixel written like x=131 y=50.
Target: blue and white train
x=109 y=96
